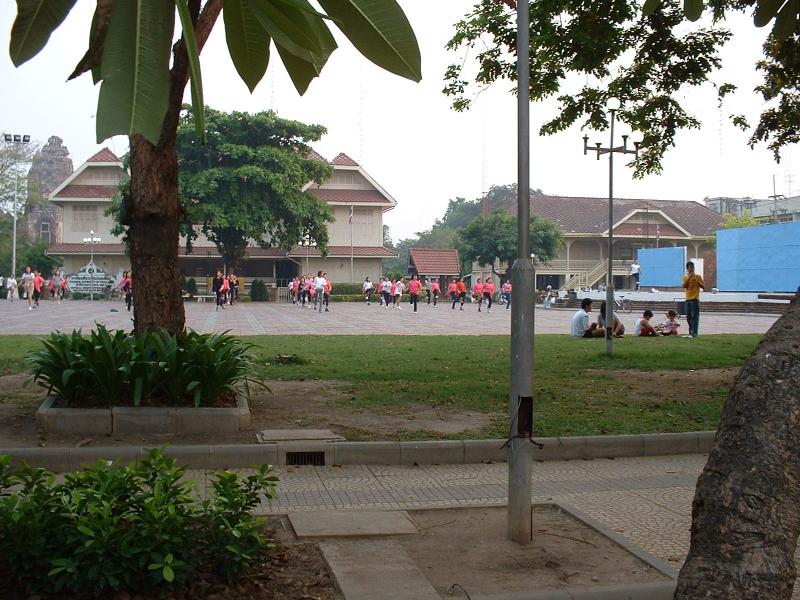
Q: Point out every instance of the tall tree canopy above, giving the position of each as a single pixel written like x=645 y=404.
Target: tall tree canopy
x=586 y=52
x=496 y=238
x=245 y=183
x=143 y=76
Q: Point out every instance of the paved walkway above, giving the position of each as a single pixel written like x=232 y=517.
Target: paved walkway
x=647 y=500
x=260 y=318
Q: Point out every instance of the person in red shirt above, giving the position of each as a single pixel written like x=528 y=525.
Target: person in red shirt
x=452 y=289
x=435 y=290
x=461 y=288
x=477 y=292
x=414 y=286
x=488 y=294
x=326 y=291
x=38 y=281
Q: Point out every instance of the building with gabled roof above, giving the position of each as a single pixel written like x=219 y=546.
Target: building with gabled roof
x=434 y=263
x=355 y=237
x=638 y=223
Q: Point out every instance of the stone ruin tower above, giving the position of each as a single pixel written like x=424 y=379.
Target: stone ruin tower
x=49 y=168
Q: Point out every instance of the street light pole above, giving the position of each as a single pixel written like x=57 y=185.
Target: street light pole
x=520 y=448
x=91 y=240
x=613 y=106
x=18 y=140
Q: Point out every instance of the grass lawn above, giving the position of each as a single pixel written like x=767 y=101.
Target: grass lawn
x=646 y=386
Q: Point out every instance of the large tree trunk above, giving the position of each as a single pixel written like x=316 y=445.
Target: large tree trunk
x=745 y=516
x=153 y=213
x=153 y=210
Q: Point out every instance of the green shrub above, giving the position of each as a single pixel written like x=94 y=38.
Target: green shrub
x=346 y=289
x=137 y=529
x=109 y=368
x=354 y=298
x=78 y=295
x=191 y=286
x=258 y=290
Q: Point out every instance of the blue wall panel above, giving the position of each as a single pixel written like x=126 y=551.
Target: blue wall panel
x=765 y=258
x=662 y=267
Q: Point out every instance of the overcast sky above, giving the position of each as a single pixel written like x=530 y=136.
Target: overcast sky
x=405 y=134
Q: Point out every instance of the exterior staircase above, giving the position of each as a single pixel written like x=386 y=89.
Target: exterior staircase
x=586 y=279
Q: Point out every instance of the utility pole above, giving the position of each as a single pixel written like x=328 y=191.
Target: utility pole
x=18 y=140
x=775 y=196
x=520 y=449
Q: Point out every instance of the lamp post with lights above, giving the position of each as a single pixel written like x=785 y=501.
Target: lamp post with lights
x=18 y=140
x=91 y=240
x=612 y=105
x=308 y=242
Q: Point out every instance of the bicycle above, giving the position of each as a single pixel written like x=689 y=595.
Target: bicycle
x=623 y=304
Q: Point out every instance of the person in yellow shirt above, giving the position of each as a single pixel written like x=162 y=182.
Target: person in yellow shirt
x=693 y=283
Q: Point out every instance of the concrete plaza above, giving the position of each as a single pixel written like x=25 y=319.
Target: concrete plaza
x=270 y=318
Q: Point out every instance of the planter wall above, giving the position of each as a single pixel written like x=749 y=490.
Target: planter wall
x=138 y=419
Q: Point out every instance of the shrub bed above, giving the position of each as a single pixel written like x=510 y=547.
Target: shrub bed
x=106 y=368
x=134 y=529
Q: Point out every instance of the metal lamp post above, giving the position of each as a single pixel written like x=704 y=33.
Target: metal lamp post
x=307 y=241
x=91 y=240
x=613 y=105
x=520 y=399
x=18 y=140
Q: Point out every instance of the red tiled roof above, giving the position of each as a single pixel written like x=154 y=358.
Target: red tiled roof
x=253 y=252
x=88 y=191
x=590 y=215
x=648 y=230
x=349 y=196
x=314 y=155
x=104 y=156
x=73 y=248
x=343 y=160
x=433 y=261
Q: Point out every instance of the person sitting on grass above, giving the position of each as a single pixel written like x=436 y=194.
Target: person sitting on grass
x=619 y=329
x=581 y=325
x=643 y=326
x=670 y=326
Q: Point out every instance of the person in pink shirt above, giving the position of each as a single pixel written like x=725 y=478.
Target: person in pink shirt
x=38 y=281
x=295 y=290
x=488 y=293
x=505 y=290
x=435 y=291
x=326 y=291
x=477 y=292
x=393 y=291
x=452 y=290
x=414 y=287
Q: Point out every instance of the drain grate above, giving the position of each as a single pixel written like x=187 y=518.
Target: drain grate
x=297 y=459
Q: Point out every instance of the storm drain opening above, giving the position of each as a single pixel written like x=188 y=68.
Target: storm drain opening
x=298 y=459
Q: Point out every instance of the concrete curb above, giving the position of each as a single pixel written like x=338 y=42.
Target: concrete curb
x=637 y=591
x=376 y=453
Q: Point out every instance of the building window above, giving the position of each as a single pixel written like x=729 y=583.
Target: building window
x=44 y=230
x=345 y=178
x=84 y=218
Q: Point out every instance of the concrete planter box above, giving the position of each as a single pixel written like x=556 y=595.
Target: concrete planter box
x=139 y=419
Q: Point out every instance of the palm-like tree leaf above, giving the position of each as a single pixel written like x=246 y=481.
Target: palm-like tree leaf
x=36 y=20
x=196 y=79
x=248 y=42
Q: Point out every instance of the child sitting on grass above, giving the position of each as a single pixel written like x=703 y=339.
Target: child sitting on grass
x=670 y=326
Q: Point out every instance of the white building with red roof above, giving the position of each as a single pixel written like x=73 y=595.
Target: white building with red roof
x=355 y=237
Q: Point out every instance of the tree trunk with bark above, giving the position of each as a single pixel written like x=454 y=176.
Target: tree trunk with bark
x=152 y=210
x=153 y=220
x=745 y=516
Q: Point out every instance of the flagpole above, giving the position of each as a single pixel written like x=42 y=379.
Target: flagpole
x=352 y=275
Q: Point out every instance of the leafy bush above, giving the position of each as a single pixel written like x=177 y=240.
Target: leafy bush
x=347 y=288
x=78 y=295
x=355 y=297
x=138 y=529
x=191 y=286
x=258 y=291
x=108 y=368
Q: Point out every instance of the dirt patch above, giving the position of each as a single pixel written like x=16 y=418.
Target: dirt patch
x=653 y=387
x=310 y=404
x=322 y=405
x=565 y=553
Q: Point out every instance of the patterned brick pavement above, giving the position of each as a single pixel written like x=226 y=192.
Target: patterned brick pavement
x=647 y=500
x=259 y=318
